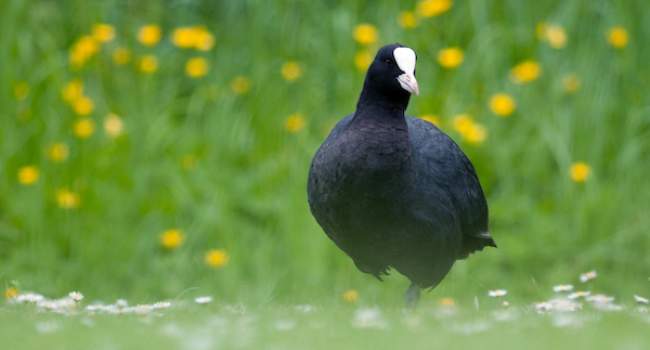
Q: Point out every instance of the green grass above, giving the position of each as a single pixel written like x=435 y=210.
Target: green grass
x=246 y=192
x=285 y=327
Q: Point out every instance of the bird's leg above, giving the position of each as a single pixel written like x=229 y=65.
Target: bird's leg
x=412 y=296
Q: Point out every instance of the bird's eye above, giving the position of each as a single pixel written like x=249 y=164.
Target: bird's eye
x=388 y=60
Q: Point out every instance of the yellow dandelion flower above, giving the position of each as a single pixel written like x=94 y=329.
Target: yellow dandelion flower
x=83 y=105
x=431 y=118
x=148 y=64
x=196 y=67
x=571 y=83
x=362 y=60
x=28 y=175
x=502 y=104
x=407 y=20
x=183 y=37
x=365 y=34
x=58 y=152
x=103 y=32
x=525 y=72
x=72 y=91
x=203 y=39
x=555 y=36
x=84 y=128
x=149 y=35
x=579 y=171
x=450 y=57
x=67 y=199
x=617 y=37
x=432 y=8
x=172 y=239
x=21 y=90
x=193 y=37
x=121 y=56
x=87 y=45
x=476 y=134
x=11 y=293
x=76 y=59
x=462 y=123
x=240 y=85
x=291 y=71
x=471 y=131
x=113 y=125
x=350 y=296
x=216 y=258
x=82 y=50
x=447 y=302
x=295 y=123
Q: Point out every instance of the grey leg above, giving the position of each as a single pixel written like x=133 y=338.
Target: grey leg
x=412 y=296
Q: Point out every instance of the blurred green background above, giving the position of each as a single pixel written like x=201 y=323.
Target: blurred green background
x=149 y=148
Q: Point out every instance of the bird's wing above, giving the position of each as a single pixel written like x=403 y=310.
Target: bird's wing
x=319 y=176
x=443 y=164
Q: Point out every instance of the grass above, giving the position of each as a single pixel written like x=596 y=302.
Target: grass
x=285 y=326
x=221 y=166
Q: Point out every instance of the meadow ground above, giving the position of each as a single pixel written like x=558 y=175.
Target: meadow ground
x=159 y=150
x=184 y=324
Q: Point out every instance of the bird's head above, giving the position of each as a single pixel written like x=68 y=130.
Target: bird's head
x=393 y=71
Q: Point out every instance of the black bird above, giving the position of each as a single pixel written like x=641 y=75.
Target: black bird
x=394 y=191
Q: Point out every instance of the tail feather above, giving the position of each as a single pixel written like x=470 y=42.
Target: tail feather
x=476 y=243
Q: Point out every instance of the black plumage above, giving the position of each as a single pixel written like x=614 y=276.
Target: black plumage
x=394 y=191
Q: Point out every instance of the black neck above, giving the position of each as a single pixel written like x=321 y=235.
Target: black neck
x=373 y=99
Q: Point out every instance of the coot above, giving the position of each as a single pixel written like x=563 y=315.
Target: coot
x=394 y=191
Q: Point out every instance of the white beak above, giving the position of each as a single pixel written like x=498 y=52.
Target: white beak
x=409 y=83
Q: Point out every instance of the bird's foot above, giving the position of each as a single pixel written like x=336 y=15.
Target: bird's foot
x=412 y=296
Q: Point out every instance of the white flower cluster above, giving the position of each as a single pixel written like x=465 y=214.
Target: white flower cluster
x=70 y=304
x=571 y=302
x=121 y=307
x=65 y=305
x=558 y=305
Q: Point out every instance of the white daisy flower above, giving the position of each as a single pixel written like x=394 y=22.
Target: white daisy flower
x=588 y=276
x=497 y=293
x=203 y=300
x=579 y=294
x=76 y=296
x=29 y=297
x=641 y=300
x=562 y=288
